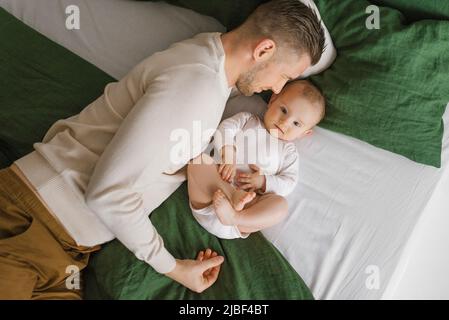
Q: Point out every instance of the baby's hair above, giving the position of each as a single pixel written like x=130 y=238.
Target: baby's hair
x=313 y=94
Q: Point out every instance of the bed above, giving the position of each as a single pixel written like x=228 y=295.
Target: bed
x=358 y=211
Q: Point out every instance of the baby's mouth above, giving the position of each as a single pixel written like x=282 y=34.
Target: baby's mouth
x=279 y=128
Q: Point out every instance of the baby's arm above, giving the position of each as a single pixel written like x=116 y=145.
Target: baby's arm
x=271 y=207
x=282 y=183
x=286 y=179
x=224 y=143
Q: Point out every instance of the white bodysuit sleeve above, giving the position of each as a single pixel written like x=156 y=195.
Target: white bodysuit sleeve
x=284 y=181
x=228 y=129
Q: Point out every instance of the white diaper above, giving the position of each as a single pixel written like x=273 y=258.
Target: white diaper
x=207 y=218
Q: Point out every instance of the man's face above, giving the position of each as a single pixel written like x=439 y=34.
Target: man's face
x=272 y=74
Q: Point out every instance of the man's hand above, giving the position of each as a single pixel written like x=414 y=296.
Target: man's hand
x=227 y=169
x=252 y=181
x=199 y=274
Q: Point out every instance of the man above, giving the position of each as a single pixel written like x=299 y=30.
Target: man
x=97 y=175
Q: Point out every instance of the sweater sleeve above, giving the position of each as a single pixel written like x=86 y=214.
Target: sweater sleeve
x=228 y=129
x=140 y=152
x=284 y=181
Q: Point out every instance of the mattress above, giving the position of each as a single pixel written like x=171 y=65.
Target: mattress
x=360 y=218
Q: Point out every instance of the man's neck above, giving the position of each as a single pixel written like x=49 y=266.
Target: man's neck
x=234 y=57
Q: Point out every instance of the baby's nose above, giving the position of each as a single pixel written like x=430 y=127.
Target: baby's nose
x=283 y=125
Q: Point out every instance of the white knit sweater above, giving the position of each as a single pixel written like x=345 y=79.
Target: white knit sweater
x=102 y=172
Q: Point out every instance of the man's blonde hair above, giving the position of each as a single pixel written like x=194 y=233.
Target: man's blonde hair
x=290 y=24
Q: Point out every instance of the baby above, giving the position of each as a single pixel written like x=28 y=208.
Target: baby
x=243 y=195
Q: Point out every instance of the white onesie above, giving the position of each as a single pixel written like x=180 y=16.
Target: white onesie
x=277 y=159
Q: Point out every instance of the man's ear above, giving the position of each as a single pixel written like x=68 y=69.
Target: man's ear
x=264 y=50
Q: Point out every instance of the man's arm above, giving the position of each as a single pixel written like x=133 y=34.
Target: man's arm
x=140 y=152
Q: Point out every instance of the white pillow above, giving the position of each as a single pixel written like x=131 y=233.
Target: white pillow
x=114 y=35
x=329 y=53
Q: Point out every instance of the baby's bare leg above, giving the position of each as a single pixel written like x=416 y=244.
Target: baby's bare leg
x=263 y=212
x=268 y=209
x=203 y=180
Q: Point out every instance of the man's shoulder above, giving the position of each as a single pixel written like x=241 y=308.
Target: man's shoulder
x=201 y=52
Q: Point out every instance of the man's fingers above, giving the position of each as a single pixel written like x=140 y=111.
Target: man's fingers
x=200 y=256
x=211 y=263
x=213 y=275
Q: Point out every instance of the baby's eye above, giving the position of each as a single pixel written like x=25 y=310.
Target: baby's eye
x=284 y=110
x=296 y=123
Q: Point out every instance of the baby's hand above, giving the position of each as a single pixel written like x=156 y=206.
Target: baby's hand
x=252 y=181
x=227 y=169
x=227 y=172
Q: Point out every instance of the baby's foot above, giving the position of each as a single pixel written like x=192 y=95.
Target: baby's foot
x=223 y=208
x=240 y=198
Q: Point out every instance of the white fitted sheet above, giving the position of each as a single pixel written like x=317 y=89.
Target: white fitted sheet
x=355 y=206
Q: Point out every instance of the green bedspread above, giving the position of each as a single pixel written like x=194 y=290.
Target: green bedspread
x=41 y=82
x=388 y=86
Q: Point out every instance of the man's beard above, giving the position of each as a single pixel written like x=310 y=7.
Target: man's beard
x=246 y=80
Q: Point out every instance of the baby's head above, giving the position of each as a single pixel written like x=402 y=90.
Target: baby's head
x=294 y=111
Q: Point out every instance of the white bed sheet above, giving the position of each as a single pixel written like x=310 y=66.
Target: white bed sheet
x=356 y=205
x=356 y=211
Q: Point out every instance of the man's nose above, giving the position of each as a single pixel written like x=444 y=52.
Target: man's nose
x=276 y=89
x=278 y=86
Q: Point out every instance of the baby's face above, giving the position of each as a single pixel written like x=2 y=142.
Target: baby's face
x=290 y=115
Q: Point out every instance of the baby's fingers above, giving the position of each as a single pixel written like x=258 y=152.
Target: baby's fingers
x=225 y=172
x=230 y=173
x=244 y=180
x=247 y=186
